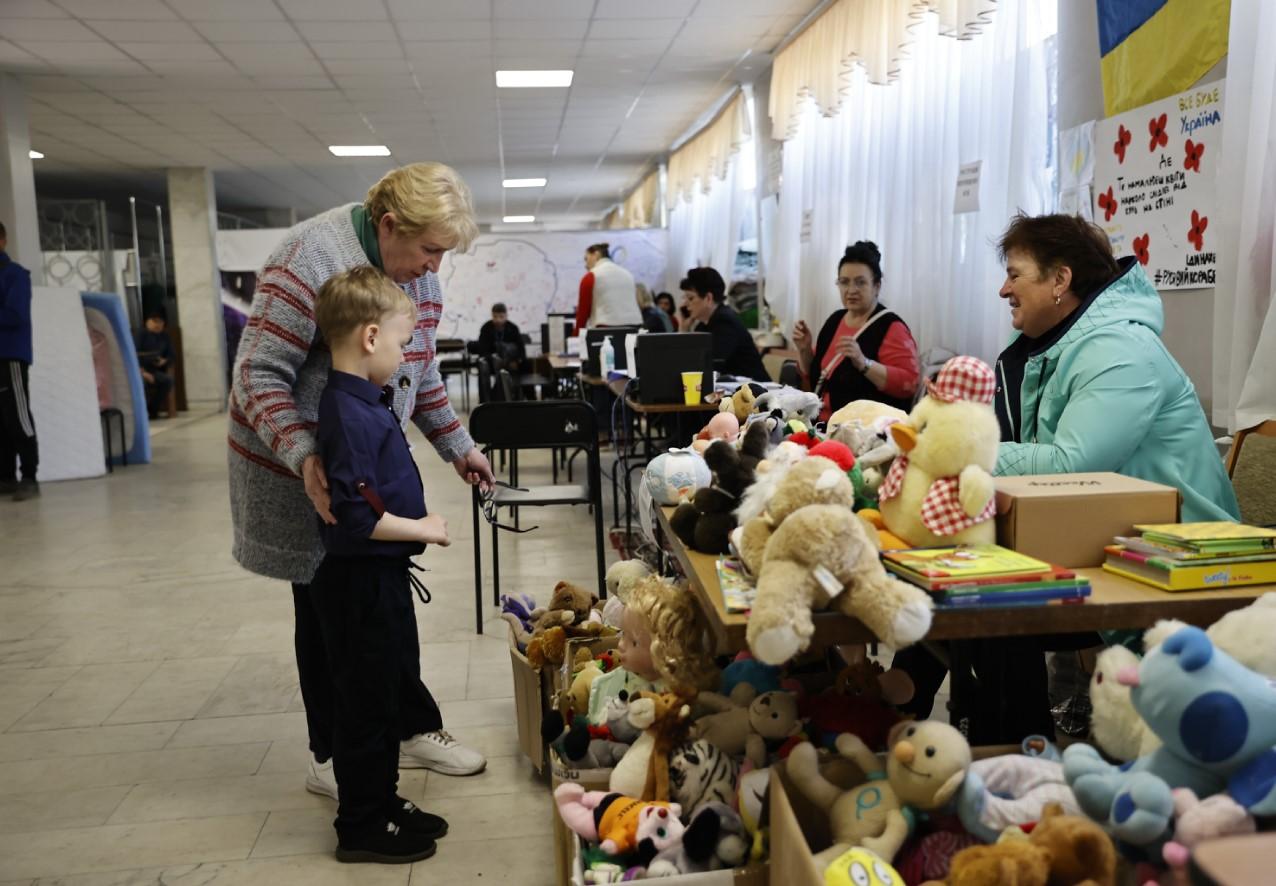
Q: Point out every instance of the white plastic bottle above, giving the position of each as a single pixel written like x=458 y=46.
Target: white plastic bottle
x=606 y=357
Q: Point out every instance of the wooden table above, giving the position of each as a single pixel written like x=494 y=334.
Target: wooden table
x=1114 y=603
x=563 y=362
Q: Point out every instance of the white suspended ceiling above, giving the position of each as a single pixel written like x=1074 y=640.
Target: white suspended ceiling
x=257 y=90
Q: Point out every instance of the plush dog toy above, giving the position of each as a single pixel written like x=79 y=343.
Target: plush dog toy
x=940 y=491
x=810 y=550
x=745 y=722
x=1217 y=723
x=925 y=767
x=714 y=839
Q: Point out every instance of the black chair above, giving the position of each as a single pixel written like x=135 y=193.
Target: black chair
x=790 y=375
x=460 y=366
x=486 y=388
x=112 y=415
x=508 y=389
x=534 y=424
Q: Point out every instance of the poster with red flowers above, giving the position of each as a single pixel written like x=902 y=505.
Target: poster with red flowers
x=1154 y=185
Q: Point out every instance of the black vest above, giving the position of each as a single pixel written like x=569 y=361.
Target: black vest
x=847 y=383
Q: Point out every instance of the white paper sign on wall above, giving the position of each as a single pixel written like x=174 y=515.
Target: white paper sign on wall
x=1155 y=185
x=967 y=188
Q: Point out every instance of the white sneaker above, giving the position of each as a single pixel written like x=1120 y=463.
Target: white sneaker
x=440 y=752
x=320 y=779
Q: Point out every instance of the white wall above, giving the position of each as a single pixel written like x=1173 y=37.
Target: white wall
x=1189 y=313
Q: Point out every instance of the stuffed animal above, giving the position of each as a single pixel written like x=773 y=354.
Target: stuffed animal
x=753 y=798
x=746 y=721
x=740 y=403
x=619 y=824
x=570 y=610
x=575 y=744
x=644 y=769
x=1217 y=723
x=940 y=491
x=1013 y=789
x=704 y=523
x=699 y=773
x=864 y=413
x=925 y=767
x=1008 y=863
x=860 y=867
x=714 y=839
x=861 y=700
x=577 y=695
x=623 y=575
x=767 y=477
x=744 y=668
x=810 y=550
x=521 y=613
x=1196 y=821
x=789 y=403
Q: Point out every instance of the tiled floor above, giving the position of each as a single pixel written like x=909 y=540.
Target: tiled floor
x=150 y=724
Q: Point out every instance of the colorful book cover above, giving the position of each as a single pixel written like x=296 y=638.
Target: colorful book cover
x=1073 y=593
x=969 y=565
x=738 y=590
x=1013 y=587
x=1171 y=551
x=1163 y=561
x=1194 y=578
x=1217 y=530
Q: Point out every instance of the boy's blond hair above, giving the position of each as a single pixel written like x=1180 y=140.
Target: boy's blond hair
x=356 y=297
x=426 y=197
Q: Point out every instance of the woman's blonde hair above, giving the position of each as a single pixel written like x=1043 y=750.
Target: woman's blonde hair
x=426 y=197
x=643 y=294
x=353 y=298
x=678 y=634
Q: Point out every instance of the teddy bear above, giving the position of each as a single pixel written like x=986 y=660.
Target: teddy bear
x=1216 y=720
x=810 y=549
x=643 y=771
x=940 y=490
x=925 y=767
x=705 y=522
x=570 y=611
x=623 y=575
x=740 y=402
x=746 y=721
x=619 y=824
x=1062 y=850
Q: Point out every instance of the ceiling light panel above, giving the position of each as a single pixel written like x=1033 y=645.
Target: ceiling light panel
x=533 y=79
x=523 y=183
x=359 y=150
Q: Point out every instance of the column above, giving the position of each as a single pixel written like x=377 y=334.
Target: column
x=17 y=182
x=192 y=215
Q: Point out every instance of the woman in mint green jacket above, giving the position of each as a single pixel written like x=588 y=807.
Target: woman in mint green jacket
x=1088 y=384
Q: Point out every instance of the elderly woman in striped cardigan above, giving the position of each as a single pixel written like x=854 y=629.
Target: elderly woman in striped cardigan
x=408 y=220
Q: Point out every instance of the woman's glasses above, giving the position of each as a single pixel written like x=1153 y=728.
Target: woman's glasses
x=487 y=504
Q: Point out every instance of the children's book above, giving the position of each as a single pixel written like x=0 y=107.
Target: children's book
x=1188 y=577
x=738 y=590
x=1073 y=593
x=940 y=568
x=1218 y=536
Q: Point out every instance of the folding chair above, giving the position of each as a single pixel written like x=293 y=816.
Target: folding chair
x=533 y=424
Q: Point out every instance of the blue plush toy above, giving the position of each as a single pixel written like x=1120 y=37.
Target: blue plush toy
x=1217 y=722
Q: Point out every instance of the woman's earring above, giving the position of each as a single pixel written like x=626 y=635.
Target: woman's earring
x=1057 y=300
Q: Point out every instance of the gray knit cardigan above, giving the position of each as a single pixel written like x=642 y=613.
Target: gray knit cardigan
x=280 y=371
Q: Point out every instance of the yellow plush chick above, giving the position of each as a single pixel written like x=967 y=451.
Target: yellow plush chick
x=860 y=867
x=940 y=491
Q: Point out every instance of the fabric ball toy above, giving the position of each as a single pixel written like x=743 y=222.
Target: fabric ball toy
x=860 y=867
x=674 y=475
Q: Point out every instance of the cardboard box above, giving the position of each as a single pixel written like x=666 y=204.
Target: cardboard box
x=565 y=841
x=753 y=875
x=1067 y=519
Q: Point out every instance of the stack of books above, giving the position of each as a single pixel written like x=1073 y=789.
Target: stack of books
x=985 y=575
x=1195 y=556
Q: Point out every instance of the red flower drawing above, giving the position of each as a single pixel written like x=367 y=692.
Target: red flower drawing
x=1156 y=127
x=1197 y=234
x=1141 y=249
x=1192 y=160
x=1108 y=204
x=1123 y=140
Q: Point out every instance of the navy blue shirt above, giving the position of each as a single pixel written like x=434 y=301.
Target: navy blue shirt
x=369 y=466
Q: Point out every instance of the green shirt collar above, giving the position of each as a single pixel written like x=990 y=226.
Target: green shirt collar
x=366 y=231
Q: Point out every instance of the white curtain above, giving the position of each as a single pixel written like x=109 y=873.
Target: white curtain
x=1244 y=302
x=704 y=231
x=885 y=169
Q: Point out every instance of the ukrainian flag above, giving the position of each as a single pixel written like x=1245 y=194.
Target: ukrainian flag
x=1156 y=48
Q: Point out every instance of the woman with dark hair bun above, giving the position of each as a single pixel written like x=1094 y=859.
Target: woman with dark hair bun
x=864 y=351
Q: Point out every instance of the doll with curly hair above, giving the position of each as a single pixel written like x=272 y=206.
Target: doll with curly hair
x=664 y=637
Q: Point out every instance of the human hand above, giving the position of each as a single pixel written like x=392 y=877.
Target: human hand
x=474 y=469
x=802 y=336
x=850 y=349
x=316 y=480
x=147 y=377
x=434 y=530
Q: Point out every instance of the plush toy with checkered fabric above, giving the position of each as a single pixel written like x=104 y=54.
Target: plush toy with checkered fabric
x=940 y=491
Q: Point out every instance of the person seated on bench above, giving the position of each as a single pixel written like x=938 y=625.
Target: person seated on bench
x=155 y=355
x=503 y=342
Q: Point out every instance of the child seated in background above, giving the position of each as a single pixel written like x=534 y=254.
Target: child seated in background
x=362 y=591
x=155 y=355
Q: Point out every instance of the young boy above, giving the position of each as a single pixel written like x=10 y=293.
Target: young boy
x=155 y=354
x=361 y=590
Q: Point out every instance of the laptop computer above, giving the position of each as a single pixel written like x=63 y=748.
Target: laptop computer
x=662 y=359
x=593 y=346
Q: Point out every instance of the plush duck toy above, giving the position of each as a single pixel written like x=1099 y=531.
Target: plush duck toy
x=940 y=491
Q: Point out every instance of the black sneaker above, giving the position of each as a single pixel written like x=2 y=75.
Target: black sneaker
x=26 y=489
x=408 y=816
x=389 y=844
